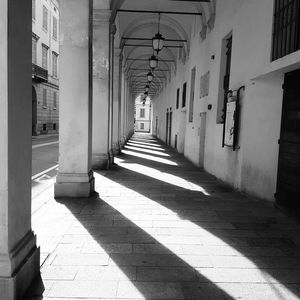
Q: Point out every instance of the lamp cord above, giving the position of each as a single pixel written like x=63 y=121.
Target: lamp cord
x=158 y=21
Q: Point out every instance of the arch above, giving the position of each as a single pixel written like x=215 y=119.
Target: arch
x=150 y=53
x=167 y=23
x=146 y=65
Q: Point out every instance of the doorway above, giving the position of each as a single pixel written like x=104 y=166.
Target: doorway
x=182 y=127
x=170 y=127
x=288 y=177
x=202 y=131
x=167 y=125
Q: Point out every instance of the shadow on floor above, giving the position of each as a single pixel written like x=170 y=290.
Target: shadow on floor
x=192 y=238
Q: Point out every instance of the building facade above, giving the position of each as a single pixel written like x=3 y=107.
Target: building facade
x=142 y=115
x=45 y=66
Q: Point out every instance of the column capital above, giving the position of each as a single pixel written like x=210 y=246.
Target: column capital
x=101 y=16
x=112 y=28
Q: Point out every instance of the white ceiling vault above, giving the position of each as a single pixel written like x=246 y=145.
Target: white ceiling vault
x=137 y=22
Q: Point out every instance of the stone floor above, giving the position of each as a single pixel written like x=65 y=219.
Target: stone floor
x=161 y=228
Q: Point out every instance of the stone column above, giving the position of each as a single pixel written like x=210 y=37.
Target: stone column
x=116 y=103
x=125 y=100
x=19 y=256
x=100 y=151
x=112 y=31
x=122 y=88
x=75 y=178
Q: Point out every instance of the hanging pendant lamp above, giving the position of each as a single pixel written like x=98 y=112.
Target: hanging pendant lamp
x=158 y=40
x=150 y=77
x=153 y=62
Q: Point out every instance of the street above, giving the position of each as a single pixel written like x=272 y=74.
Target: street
x=44 y=167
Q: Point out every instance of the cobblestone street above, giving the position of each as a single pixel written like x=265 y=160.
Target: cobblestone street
x=161 y=228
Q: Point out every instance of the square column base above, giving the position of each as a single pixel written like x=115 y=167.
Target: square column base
x=14 y=288
x=116 y=150
x=74 y=185
x=100 y=161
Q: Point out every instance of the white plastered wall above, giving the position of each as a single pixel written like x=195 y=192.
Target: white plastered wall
x=253 y=167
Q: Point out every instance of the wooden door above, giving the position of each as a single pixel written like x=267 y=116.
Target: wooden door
x=288 y=180
x=167 y=126
x=170 y=127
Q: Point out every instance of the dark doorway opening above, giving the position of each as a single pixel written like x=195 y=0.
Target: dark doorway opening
x=288 y=177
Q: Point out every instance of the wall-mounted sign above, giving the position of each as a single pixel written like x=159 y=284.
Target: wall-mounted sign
x=230 y=124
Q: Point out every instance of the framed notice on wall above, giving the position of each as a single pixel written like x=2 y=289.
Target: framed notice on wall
x=229 y=133
x=231 y=119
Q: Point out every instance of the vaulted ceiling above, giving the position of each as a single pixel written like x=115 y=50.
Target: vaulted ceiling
x=137 y=22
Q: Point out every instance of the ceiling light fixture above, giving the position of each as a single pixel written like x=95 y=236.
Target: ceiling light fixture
x=150 y=77
x=153 y=62
x=158 y=40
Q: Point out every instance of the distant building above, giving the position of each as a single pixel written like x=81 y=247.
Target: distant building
x=45 y=56
x=142 y=115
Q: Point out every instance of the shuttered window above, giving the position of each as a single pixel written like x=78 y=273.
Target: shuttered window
x=34 y=52
x=286 y=28
x=44 y=57
x=184 y=95
x=45 y=18
x=54 y=99
x=44 y=97
x=54 y=63
x=54 y=34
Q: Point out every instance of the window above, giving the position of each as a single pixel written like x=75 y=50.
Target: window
x=192 y=95
x=177 y=98
x=54 y=99
x=33 y=9
x=44 y=97
x=142 y=126
x=54 y=126
x=45 y=57
x=54 y=34
x=184 y=95
x=142 y=113
x=44 y=127
x=34 y=50
x=54 y=64
x=286 y=28
x=224 y=77
x=45 y=18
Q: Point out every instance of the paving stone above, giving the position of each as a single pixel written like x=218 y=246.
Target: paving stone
x=59 y=273
x=248 y=275
x=81 y=260
x=106 y=248
x=107 y=273
x=84 y=289
x=166 y=274
x=150 y=290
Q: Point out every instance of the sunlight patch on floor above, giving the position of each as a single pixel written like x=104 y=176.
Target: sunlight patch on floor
x=206 y=239
x=150 y=157
x=163 y=176
x=145 y=150
x=131 y=143
x=144 y=143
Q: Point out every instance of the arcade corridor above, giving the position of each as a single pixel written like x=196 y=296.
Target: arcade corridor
x=222 y=81
x=164 y=229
